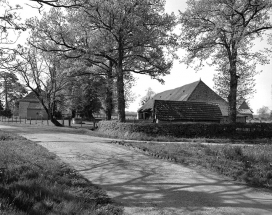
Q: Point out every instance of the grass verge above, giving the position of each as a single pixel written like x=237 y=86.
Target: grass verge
x=145 y=137
x=34 y=181
x=248 y=163
x=135 y=136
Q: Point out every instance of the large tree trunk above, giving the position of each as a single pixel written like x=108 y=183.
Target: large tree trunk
x=50 y=112
x=54 y=120
x=109 y=92
x=233 y=88
x=121 y=96
x=6 y=93
x=121 y=104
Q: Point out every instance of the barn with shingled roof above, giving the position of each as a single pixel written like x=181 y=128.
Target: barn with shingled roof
x=194 y=92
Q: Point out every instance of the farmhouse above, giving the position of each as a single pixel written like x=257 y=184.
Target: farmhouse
x=194 y=92
x=31 y=108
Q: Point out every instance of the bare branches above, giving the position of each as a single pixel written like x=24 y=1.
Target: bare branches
x=59 y=3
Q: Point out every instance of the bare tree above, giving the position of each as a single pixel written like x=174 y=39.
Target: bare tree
x=149 y=95
x=58 y=3
x=45 y=76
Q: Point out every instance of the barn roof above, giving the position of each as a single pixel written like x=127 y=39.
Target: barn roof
x=29 y=97
x=178 y=94
x=244 y=106
x=185 y=110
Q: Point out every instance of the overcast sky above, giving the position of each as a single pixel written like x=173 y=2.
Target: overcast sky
x=180 y=74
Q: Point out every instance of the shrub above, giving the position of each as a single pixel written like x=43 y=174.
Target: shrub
x=6 y=113
x=235 y=131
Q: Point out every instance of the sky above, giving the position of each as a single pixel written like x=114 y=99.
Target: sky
x=180 y=73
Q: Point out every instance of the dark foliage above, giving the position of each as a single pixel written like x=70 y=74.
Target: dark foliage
x=6 y=113
x=235 y=131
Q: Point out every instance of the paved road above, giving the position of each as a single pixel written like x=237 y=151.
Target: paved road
x=144 y=185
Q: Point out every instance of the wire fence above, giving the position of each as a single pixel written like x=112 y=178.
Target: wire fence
x=67 y=122
x=46 y=122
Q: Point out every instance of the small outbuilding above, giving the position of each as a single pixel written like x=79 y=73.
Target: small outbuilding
x=185 y=111
x=31 y=108
x=244 y=110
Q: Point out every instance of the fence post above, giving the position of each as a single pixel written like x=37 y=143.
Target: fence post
x=62 y=120
x=81 y=122
x=69 y=121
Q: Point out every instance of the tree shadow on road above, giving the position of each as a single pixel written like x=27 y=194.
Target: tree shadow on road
x=148 y=182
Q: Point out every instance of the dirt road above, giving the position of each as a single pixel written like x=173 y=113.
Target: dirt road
x=144 y=185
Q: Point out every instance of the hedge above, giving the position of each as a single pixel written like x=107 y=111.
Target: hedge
x=239 y=131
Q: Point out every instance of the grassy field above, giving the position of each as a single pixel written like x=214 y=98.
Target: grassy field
x=34 y=181
x=248 y=163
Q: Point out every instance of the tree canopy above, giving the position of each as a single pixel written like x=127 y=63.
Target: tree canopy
x=119 y=36
x=246 y=71
x=10 y=29
x=11 y=90
x=214 y=29
x=264 y=112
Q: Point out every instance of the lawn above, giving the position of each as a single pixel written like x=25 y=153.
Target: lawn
x=34 y=181
x=248 y=163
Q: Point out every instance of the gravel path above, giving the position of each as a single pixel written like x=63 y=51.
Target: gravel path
x=144 y=185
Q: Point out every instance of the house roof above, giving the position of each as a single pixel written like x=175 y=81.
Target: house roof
x=178 y=94
x=185 y=110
